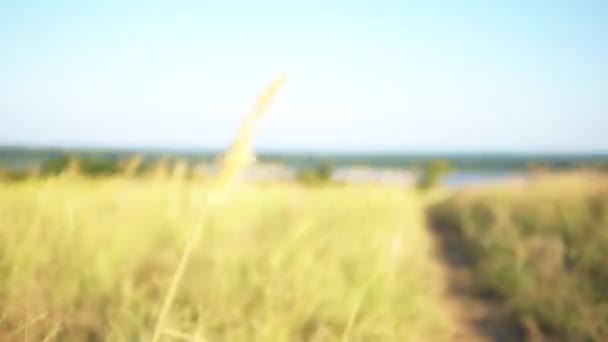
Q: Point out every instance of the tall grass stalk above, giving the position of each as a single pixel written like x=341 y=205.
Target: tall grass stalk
x=129 y=167
x=233 y=161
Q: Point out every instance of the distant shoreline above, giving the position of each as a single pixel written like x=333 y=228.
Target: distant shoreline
x=315 y=152
x=21 y=156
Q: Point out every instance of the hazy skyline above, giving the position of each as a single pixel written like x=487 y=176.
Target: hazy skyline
x=373 y=75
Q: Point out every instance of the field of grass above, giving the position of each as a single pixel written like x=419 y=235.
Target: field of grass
x=162 y=257
x=91 y=259
x=543 y=248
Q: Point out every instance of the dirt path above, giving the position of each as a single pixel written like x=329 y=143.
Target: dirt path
x=477 y=314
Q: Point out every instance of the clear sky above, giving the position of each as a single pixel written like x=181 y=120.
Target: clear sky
x=362 y=75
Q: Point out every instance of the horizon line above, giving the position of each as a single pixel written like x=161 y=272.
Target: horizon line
x=297 y=151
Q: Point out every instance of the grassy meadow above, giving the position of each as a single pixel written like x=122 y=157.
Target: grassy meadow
x=542 y=247
x=90 y=259
x=166 y=256
x=93 y=258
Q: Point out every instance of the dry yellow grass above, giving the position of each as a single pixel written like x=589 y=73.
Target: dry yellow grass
x=89 y=259
x=235 y=159
x=278 y=262
x=541 y=246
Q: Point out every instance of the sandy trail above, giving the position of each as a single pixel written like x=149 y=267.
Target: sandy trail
x=476 y=315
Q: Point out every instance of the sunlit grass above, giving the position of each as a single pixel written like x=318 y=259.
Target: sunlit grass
x=276 y=262
x=231 y=164
x=164 y=257
x=541 y=246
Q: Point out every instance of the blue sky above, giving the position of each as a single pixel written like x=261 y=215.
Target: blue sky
x=362 y=75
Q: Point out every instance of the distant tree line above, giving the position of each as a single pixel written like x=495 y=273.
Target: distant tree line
x=469 y=162
x=313 y=171
x=88 y=165
x=16 y=155
x=99 y=166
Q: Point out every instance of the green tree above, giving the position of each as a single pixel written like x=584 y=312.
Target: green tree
x=55 y=166
x=432 y=174
x=319 y=174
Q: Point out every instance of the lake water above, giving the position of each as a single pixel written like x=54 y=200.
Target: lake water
x=407 y=177
x=466 y=178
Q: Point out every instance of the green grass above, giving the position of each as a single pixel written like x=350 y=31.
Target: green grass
x=543 y=247
x=91 y=259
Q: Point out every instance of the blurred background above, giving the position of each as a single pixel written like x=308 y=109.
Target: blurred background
x=461 y=146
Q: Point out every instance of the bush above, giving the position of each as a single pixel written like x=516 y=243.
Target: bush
x=432 y=175
x=319 y=174
x=55 y=166
x=13 y=175
x=89 y=166
x=95 y=166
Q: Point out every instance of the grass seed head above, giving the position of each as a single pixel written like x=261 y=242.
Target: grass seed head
x=241 y=153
